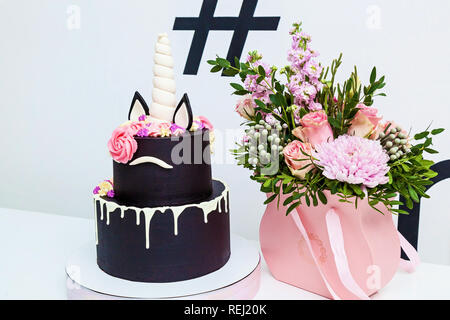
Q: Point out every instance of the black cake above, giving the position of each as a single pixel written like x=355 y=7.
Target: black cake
x=162 y=218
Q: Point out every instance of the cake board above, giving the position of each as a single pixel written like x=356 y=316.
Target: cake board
x=239 y=278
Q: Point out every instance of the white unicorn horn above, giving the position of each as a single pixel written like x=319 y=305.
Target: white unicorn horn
x=163 y=94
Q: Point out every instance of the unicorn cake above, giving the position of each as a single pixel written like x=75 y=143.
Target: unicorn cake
x=162 y=218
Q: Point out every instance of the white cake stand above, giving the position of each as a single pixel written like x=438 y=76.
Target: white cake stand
x=238 y=279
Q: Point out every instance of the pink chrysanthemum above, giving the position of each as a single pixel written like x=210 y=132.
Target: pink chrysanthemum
x=354 y=160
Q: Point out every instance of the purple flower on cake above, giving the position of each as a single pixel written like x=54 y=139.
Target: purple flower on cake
x=354 y=160
x=197 y=125
x=96 y=190
x=104 y=188
x=176 y=129
x=142 y=132
x=142 y=118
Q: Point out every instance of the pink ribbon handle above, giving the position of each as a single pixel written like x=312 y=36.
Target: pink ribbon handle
x=302 y=230
x=410 y=251
x=336 y=239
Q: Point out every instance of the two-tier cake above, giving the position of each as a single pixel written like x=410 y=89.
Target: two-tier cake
x=162 y=218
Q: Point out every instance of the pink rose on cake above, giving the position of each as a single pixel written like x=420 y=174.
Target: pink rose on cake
x=153 y=129
x=122 y=145
x=296 y=159
x=136 y=126
x=365 y=121
x=176 y=129
x=164 y=129
x=205 y=122
x=314 y=128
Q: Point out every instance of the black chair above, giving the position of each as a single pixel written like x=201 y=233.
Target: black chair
x=408 y=225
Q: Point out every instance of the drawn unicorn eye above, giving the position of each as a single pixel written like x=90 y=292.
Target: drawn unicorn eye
x=138 y=107
x=148 y=159
x=183 y=113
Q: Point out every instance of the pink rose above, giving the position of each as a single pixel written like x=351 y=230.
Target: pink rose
x=159 y=129
x=314 y=129
x=135 y=126
x=122 y=145
x=246 y=107
x=364 y=122
x=176 y=129
x=292 y=153
x=206 y=123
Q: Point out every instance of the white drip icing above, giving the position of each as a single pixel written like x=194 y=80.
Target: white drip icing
x=138 y=217
x=207 y=207
x=148 y=214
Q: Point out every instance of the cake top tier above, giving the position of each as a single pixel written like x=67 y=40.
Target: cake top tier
x=164 y=118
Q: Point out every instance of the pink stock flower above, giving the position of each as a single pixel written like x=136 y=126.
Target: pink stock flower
x=354 y=160
x=304 y=83
x=259 y=90
x=122 y=145
x=315 y=106
x=312 y=69
x=270 y=119
x=365 y=121
x=293 y=153
x=314 y=129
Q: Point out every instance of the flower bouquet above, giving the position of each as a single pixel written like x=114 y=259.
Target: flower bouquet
x=323 y=156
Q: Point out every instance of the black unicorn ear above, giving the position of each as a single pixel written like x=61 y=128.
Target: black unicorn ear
x=138 y=107
x=183 y=113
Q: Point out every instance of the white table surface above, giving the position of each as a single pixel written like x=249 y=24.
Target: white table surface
x=35 y=246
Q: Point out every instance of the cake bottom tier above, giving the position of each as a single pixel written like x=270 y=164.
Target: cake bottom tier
x=163 y=244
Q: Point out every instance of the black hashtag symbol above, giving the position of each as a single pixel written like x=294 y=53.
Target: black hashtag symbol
x=206 y=21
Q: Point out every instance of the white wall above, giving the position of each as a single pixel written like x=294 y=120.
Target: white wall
x=63 y=90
